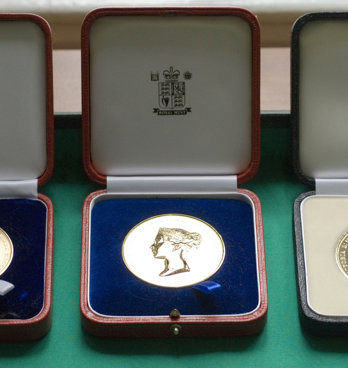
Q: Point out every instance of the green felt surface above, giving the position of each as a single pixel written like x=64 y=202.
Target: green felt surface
x=281 y=344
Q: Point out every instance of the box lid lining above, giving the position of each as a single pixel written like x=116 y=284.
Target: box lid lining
x=145 y=143
x=25 y=98
x=319 y=95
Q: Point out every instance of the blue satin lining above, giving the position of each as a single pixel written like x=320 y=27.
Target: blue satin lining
x=24 y=220
x=114 y=291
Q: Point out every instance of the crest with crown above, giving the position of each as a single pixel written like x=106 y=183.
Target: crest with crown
x=171 y=92
x=171 y=74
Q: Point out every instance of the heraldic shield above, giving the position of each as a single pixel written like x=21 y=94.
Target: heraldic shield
x=171 y=94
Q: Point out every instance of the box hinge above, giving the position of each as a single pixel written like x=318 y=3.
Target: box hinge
x=153 y=185
x=331 y=186
x=19 y=188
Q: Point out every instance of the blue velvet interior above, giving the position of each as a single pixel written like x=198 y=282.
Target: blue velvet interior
x=115 y=291
x=24 y=220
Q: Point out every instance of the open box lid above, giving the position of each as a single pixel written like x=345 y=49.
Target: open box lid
x=170 y=92
x=26 y=101
x=319 y=100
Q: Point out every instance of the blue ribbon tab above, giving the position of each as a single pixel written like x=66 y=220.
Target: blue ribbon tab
x=207 y=287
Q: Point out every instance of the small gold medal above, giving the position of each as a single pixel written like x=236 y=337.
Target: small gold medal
x=173 y=250
x=6 y=251
x=342 y=255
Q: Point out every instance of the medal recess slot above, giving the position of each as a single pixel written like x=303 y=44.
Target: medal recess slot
x=324 y=222
x=112 y=217
x=24 y=220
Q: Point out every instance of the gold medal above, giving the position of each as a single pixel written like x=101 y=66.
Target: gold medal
x=173 y=250
x=342 y=255
x=6 y=251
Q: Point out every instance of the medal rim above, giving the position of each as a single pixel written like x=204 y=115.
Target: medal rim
x=182 y=215
x=11 y=251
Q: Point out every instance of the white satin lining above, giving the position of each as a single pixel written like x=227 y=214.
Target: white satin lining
x=19 y=189
x=172 y=184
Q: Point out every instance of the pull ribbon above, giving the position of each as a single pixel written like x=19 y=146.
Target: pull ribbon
x=5 y=287
x=207 y=287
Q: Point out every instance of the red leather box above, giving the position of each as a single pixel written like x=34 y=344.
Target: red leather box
x=26 y=161
x=171 y=125
x=319 y=110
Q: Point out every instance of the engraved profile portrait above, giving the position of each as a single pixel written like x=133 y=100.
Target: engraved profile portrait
x=172 y=245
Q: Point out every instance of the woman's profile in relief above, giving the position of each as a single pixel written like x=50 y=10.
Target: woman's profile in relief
x=172 y=245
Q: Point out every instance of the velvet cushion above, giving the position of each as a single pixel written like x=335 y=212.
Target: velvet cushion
x=24 y=220
x=114 y=291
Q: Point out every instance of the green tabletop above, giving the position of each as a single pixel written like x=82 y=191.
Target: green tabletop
x=281 y=344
